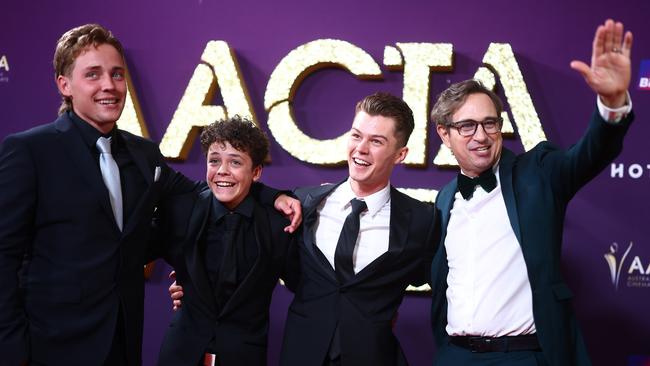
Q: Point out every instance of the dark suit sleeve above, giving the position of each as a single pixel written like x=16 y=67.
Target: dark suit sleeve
x=170 y=225
x=291 y=272
x=266 y=195
x=173 y=184
x=570 y=170
x=17 y=206
x=423 y=275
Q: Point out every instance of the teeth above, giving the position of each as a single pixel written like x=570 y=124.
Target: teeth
x=482 y=148
x=107 y=101
x=225 y=184
x=360 y=162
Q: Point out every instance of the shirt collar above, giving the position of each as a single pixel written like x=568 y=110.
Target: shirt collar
x=89 y=133
x=245 y=208
x=374 y=201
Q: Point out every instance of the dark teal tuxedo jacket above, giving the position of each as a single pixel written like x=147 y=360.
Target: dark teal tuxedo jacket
x=537 y=187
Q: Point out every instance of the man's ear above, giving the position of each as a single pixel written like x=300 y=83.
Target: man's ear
x=401 y=154
x=63 y=83
x=257 y=173
x=443 y=132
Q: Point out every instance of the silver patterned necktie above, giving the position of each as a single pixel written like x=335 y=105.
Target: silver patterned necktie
x=111 y=177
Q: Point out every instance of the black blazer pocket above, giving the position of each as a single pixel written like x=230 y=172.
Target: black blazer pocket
x=55 y=293
x=562 y=292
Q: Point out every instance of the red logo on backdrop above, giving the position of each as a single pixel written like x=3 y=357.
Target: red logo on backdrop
x=644 y=76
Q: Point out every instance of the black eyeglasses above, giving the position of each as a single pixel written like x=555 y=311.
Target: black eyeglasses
x=467 y=127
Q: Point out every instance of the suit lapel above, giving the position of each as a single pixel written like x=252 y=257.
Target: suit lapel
x=72 y=142
x=440 y=267
x=310 y=207
x=262 y=229
x=140 y=158
x=194 y=251
x=506 y=166
x=445 y=202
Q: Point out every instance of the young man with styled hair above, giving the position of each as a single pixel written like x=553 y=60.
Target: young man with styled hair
x=77 y=197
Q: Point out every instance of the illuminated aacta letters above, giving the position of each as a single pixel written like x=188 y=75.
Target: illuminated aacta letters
x=219 y=69
x=417 y=62
x=131 y=119
x=500 y=58
x=219 y=65
x=284 y=82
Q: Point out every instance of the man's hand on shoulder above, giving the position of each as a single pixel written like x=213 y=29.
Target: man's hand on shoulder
x=291 y=208
x=175 y=292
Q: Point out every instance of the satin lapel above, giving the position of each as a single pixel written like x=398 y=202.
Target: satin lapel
x=445 y=202
x=194 y=252
x=262 y=228
x=139 y=156
x=146 y=169
x=506 y=166
x=72 y=142
x=400 y=216
x=310 y=207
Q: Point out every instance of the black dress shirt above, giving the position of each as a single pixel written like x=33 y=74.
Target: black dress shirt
x=229 y=256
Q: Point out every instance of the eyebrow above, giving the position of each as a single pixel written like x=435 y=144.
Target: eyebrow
x=373 y=136
x=474 y=120
x=97 y=67
x=216 y=153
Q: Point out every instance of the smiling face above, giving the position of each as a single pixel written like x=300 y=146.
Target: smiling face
x=97 y=86
x=373 y=152
x=479 y=152
x=230 y=173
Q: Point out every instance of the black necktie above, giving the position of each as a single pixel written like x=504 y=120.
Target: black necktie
x=228 y=270
x=466 y=185
x=347 y=240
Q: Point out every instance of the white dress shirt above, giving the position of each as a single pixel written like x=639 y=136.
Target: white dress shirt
x=489 y=293
x=373 y=230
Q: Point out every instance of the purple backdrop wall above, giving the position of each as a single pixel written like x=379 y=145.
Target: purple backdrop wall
x=164 y=42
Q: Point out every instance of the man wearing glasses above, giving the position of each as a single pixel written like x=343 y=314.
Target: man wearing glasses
x=498 y=294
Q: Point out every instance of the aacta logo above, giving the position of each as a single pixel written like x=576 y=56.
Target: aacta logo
x=4 y=63
x=615 y=263
x=636 y=275
x=4 y=68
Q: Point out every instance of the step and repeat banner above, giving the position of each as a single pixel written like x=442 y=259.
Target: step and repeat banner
x=297 y=69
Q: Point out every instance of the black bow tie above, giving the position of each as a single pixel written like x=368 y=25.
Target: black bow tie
x=466 y=185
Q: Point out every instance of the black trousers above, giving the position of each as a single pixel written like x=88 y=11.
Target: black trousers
x=451 y=355
x=117 y=353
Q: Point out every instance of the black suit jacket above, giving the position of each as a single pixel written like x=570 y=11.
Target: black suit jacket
x=78 y=269
x=365 y=306
x=241 y=327
x=537 y=187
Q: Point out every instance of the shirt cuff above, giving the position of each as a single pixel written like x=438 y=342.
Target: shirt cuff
x=614 y=115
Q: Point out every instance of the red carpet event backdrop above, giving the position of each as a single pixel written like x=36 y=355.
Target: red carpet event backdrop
x=298 y=67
